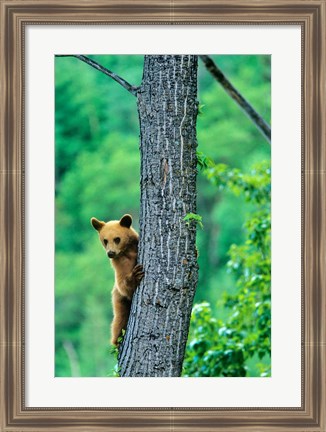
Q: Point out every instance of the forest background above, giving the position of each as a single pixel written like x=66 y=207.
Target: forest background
x=97 y=174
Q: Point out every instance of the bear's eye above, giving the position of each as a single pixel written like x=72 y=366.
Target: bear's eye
x=105 y=242
x=117 y=240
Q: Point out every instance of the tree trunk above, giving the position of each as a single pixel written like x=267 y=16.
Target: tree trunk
x=155 y=340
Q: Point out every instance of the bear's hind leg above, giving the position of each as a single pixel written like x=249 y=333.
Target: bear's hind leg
x=121 y=310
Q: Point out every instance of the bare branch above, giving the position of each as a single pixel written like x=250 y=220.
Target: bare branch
x=131 y=89
x=235 y=95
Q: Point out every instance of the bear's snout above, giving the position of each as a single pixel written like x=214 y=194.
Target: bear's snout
x=111 y=254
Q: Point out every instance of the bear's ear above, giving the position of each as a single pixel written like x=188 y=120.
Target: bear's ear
x=126 y=221
x=98 y=225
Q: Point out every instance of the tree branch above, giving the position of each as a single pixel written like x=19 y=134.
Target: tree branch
x=235 y=95
x=131 y=89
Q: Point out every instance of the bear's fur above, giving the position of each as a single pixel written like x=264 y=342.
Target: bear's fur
x=120 y=242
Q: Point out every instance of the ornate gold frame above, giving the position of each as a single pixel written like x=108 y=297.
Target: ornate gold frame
x=15 y=15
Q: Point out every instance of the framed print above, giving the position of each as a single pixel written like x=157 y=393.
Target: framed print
x=49 y=188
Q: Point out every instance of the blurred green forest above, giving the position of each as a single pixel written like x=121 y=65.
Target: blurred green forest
x=97 y=167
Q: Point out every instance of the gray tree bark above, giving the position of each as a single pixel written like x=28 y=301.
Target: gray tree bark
x=156 y=336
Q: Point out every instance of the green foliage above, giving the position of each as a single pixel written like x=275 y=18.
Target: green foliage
x=82 y=311
x=192 y=217
x=203 y=161
x=115 y=352
x=255 y=186
x=201 y=109
x=213 y=349
x=89 y=106
x=223 y=348
x=93 y=188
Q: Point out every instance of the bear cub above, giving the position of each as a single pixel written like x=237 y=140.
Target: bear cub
x=120 y=242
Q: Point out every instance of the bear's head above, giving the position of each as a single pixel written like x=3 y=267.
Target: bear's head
x=117 y=237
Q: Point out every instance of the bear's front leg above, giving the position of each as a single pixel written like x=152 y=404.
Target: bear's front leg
x=121 y=311
x=128 y=285
x=136 y=276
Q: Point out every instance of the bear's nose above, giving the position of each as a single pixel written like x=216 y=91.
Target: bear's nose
x=111 y=254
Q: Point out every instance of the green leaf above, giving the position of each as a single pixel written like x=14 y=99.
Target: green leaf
x=192 y=217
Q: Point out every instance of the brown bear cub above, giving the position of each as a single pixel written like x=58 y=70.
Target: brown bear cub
x=120 y=242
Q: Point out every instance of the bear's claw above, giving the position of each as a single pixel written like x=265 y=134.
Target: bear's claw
x=138 y=272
